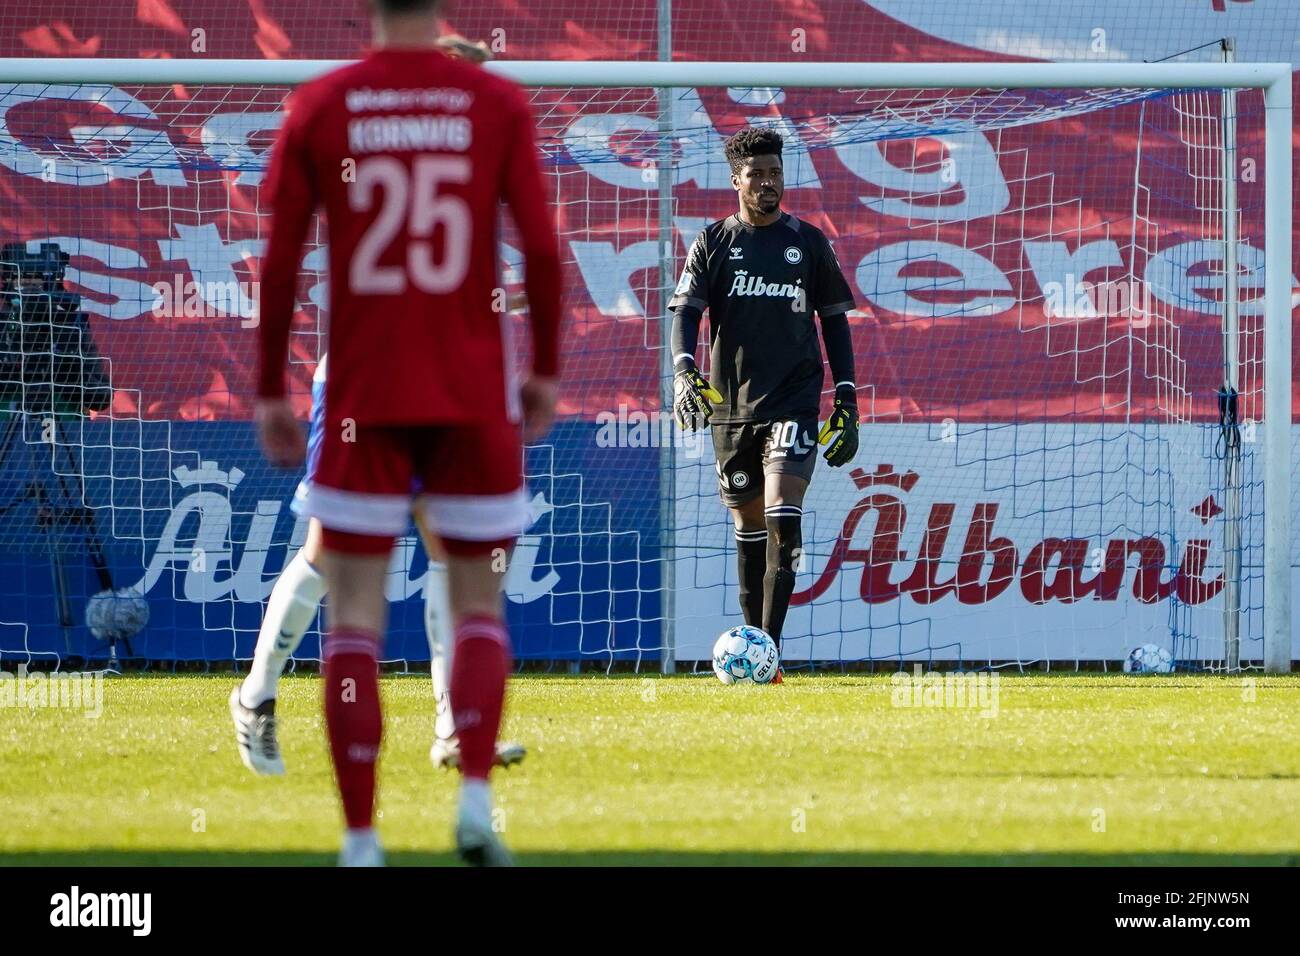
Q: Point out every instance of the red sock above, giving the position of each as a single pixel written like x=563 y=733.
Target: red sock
x=478 y=688
x=353 y=719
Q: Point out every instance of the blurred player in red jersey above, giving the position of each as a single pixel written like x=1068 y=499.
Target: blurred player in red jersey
x=409 y=153
x=300 y=588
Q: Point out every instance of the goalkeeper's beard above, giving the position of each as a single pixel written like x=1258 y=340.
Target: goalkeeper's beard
x=765 y=204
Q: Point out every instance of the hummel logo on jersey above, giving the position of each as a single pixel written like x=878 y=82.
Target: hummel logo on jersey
x=737 y=253
x=745 y=284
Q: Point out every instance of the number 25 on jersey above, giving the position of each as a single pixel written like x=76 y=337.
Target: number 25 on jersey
x=416 y=192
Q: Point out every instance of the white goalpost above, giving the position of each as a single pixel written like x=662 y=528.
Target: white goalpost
x=1037 y=483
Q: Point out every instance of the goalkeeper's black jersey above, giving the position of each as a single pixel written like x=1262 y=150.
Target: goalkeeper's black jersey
x=761 y=285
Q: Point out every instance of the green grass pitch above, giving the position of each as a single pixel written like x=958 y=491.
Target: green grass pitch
x=1101 y=769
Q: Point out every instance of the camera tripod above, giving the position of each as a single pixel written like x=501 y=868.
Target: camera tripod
x=56 y=513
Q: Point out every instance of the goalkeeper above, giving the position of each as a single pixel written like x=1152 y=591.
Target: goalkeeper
x=761 y=273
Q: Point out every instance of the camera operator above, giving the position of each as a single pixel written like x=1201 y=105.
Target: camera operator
x=48 y=359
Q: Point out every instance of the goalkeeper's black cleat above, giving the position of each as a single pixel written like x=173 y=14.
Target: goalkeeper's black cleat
x=255 y=736
x=841 y=429
x=693 y=398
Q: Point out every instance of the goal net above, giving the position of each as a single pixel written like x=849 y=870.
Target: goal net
x=1061 y=340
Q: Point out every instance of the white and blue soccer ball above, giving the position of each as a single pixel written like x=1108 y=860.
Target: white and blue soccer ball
x=117 y=615
x=1149 y=659
x=745 y=655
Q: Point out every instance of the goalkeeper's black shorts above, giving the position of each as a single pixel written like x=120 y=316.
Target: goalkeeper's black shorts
x=747 y=451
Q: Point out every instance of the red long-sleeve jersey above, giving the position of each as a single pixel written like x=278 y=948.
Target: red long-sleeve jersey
x=409 y=153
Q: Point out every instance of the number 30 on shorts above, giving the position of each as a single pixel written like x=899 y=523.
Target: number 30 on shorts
x=785 y=433
x=788 y=435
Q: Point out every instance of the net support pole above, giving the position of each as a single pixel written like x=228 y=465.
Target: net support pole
x=1277 y=375
x=1231 y=381
x=667 y=450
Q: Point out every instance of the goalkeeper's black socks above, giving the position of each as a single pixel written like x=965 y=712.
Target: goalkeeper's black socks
x=784 y=541
x=751 y=565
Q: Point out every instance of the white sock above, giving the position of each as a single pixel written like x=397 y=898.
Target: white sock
x=437 y=628
x=289 y=612
x=356 y=842
x=476 y=799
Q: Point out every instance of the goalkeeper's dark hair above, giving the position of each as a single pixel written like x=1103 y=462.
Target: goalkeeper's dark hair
x=408 y=6
x=750 y=142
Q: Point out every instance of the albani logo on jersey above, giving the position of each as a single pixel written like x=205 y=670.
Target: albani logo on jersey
x=745 y=284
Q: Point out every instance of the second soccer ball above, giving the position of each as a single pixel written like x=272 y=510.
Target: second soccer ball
x=744 y=655
x=1149 y=659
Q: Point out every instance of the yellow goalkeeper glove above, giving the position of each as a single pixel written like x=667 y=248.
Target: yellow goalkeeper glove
x=694 y=398
x=842 y=426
